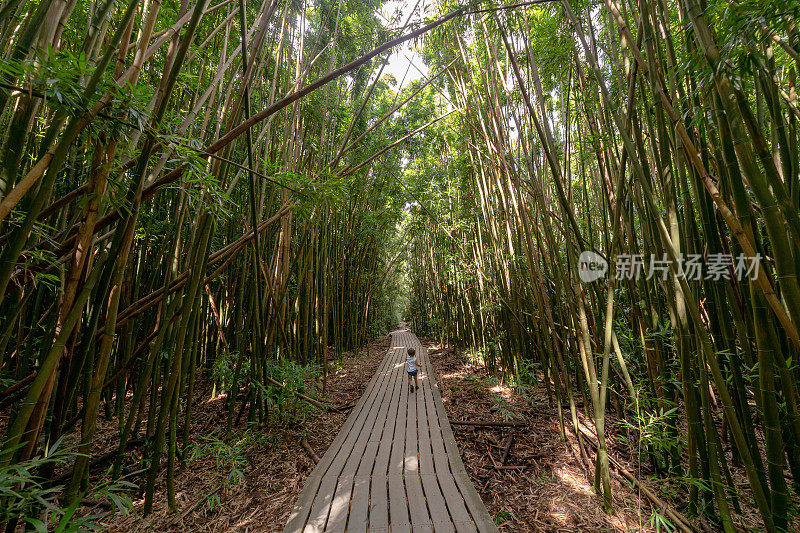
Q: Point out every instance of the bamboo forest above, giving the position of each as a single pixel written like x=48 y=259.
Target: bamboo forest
x=400 y=265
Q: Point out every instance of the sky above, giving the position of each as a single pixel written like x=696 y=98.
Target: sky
x=405 y=54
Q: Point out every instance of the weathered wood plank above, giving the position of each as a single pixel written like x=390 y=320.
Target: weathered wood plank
x=398 y=506
x=394 y=466
x=359 y=505
x=320 y=507
x=471 y=498
x=302 y=507
x=340 y=505
x=379 y=491
x=417 y=506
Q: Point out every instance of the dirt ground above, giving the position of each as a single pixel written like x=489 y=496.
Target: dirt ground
x=551 y=491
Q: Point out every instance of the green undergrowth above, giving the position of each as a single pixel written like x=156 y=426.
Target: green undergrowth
x=27 y=499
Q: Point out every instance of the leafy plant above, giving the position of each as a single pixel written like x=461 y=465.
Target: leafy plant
x=26 y=498
x=21 y=491
x=225 y=365
x=294 y=376
x=502 y=517
x=652 y=426
x=475 y=356
x=502 y=408
x=660 y=522
x=228 y=456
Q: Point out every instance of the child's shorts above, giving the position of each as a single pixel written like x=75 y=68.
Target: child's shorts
x=412 y=373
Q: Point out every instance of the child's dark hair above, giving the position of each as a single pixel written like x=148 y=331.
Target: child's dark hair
x=411 y=351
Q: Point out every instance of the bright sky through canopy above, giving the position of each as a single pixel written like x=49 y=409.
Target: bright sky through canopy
x=405 y=57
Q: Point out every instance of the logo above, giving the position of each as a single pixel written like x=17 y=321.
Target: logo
x=591 y=266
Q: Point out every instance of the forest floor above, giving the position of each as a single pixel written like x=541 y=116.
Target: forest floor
x=251 y=482
x=270 y=464
x=552 y=493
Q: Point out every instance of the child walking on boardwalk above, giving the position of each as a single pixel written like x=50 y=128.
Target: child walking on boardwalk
x=411 y=368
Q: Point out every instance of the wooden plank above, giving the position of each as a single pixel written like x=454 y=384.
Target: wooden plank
x=472 y=500
x=340 y=505
x=465 y=527
x=422 y=527
x=379 y=499
x=398 y=506
x=302 y=507
x=359 y=504
x=379 y=503
x=320 y=507
x=440 y=518
x=417 y=506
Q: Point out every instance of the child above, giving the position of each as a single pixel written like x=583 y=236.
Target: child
x=411 y=368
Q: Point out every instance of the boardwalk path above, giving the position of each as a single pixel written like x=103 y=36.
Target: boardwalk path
x=394 y=466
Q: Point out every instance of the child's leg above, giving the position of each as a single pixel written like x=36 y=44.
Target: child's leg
x=416 y=382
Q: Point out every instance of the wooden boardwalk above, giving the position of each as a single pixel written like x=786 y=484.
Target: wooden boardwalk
x=394 y=466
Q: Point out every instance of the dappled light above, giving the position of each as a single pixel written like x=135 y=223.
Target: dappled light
x=500 y=390
x=572 y=480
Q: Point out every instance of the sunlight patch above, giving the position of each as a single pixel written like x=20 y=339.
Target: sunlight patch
x=575 y=482
x=503 y=391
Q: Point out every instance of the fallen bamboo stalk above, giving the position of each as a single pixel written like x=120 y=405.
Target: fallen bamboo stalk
x=488 y=423
x=309 y=450
x=309 y=399
x=680 y=521
x=507 y=448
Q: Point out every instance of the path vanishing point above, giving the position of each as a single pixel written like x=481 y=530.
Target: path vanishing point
x=394 y=466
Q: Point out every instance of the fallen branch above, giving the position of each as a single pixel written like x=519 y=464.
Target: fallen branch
x=309 y=450
x=680 y=521
x=309 y=399
x=488 y=423
x=510 y=467
x=507 y=448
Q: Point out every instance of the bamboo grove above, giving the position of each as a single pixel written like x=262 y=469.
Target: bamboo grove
x=627 y=128
x=211 y=192
x=190 y=193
